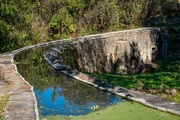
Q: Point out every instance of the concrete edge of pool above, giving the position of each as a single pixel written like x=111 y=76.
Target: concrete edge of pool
x=23 y=105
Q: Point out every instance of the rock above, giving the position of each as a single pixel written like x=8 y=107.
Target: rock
x=147 y=68
x=173 y=92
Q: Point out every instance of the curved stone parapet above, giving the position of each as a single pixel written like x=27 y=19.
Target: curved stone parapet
x=54 y=56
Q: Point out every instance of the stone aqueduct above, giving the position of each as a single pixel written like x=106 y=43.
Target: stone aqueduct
x=108 y=52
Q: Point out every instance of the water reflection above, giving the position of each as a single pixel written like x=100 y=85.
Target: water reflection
x=56 y=93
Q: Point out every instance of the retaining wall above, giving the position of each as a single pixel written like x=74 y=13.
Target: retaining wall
x=114 y=52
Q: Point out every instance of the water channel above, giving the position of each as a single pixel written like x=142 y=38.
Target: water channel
x=56 y=93
x=62 y=97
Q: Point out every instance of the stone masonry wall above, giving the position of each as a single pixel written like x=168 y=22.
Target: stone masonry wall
x=114 y=52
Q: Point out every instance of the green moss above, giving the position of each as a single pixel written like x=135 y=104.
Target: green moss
x=122 y=111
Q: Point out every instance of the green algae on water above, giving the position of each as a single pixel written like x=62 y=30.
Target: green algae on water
x=121 y=111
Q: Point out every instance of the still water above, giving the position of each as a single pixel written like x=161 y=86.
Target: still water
x=60 y=97
x=56 y=93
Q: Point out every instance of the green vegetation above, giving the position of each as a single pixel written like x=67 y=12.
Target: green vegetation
x=69 y=57
x=24 y=22
x=121 y=111
x=149 y=81
x=3 y=102
x=166 y=77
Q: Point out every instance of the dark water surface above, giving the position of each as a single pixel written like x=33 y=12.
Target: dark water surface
x=56 y=93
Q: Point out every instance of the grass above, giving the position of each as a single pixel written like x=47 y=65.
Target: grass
x=166 y=77
x=3 y=102
x=153 y=79
x=177 y=98
x=121 y=80
x=158 y=78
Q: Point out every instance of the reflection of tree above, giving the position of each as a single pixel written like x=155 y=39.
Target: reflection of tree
x=32 y=68
x=79 y=94
x=39 y=74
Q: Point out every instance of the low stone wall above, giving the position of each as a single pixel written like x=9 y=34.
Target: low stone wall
x=114 y=52
x=55 y=57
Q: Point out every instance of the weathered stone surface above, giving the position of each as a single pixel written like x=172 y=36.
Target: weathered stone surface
x=115 y=52
x=22 y=104
x=147 y=68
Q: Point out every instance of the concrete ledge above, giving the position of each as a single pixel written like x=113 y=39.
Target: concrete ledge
x=22 y=103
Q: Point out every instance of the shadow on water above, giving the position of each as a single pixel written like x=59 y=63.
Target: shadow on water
x=56 y=93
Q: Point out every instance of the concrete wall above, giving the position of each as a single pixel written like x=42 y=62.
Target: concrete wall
x=114 y=52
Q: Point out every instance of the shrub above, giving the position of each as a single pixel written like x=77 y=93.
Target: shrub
x=139 y=85
x=61 y=25
x=162 y=88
